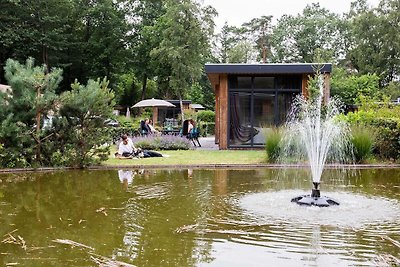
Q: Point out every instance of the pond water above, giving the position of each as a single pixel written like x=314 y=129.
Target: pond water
x=197 y=217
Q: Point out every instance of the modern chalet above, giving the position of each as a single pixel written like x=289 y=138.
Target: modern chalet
x=253 y=97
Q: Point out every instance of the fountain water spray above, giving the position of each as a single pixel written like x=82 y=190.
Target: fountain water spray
x=313 y=133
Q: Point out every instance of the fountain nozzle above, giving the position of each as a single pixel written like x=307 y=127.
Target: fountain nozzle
x=315 y=191
x=315 y=198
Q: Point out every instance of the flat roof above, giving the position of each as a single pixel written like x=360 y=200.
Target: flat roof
x=197 y=106
x=281 y=68
x=177 y=101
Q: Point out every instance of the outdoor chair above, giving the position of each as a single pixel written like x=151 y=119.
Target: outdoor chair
x=144 y=131
x=193 y=135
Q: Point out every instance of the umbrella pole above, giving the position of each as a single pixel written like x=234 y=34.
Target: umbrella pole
x=155 y=115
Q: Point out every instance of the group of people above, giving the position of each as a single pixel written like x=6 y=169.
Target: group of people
x=127 y=150
x=146 y=127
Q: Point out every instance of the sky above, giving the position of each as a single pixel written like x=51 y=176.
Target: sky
x=236 y=12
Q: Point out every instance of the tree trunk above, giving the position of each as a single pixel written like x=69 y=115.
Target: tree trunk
x=38 y=147
x=45 y=58
x=144 y=86
x=181 y=104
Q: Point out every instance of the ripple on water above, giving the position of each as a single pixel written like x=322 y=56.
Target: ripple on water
x=354 y=210
x=154 y=191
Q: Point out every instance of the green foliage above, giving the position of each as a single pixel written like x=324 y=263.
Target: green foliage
x=127 y=90
x=350 y=87
x=298 y=38
x=376 y=39
x=195 y=93
x=189 y=114
x=33 y=89
x=362 y=140
x=242 y=52
x=259 y=30
x=184 y=47
x=23 y=110
x=207 y=128
x=388 y=136
x=84 y=110
x=273 y=137
x=206 y=116
x=392 y=90
x=385 y=120
x=86 y=38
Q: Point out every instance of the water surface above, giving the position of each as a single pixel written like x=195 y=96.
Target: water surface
x=198 y=218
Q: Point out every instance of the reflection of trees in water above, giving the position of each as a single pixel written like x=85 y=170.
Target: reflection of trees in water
x=62 y=205
x=151 y=222
x=47 y=206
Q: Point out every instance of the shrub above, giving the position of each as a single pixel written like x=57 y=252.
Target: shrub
x=117 y=132
x=362 y=140
x=386 y=124
x=387 y=139
x=84 y=110
x=273 y=137
x=207 y=128
x=206 y=116
x=164 y=142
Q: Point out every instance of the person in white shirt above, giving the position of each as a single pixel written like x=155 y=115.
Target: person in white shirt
x=126 y=149
x=152 y=129
x=190 y=126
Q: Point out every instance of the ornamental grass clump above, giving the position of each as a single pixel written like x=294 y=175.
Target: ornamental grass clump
x=362 y=140
x=273 y=137
x=164 y=142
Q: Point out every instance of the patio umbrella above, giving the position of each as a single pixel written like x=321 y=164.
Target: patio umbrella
x=155 y=103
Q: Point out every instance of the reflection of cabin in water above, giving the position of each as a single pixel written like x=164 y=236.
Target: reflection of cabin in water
x=250 y=98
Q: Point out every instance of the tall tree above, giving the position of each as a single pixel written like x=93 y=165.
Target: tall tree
x=87 y=38
x=83 y=111
x=34 y=28
x=377 y=40
x=259 y=29
x=298 y=38
x=184 y=45
x=33 y=96
x=143 y=14
x=104 y=32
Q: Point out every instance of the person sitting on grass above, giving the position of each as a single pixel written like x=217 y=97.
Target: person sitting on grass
x=127 y=150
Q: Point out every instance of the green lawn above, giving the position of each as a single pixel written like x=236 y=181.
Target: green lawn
x=196 y=157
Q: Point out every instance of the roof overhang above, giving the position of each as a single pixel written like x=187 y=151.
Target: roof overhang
x=177 y=101
x=289 y=68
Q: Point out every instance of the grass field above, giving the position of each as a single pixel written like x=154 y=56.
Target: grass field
x=196 y=157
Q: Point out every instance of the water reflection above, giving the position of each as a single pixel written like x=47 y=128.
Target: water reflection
x=126 y=177
x=215 y=218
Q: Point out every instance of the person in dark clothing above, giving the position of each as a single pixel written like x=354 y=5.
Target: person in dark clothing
x=144 y=127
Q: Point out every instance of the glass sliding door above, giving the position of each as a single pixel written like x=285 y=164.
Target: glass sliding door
x=240 y=130
x=285 y=100
x=263 y=115
x=256 y=104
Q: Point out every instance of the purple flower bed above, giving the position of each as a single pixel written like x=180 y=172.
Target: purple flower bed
x=163 y=142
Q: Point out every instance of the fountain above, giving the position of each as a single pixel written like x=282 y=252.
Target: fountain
x=314 y=134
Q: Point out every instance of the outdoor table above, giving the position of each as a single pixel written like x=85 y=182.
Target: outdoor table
x=170 y=132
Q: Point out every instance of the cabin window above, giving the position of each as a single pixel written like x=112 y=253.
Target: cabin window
x=257 y=103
